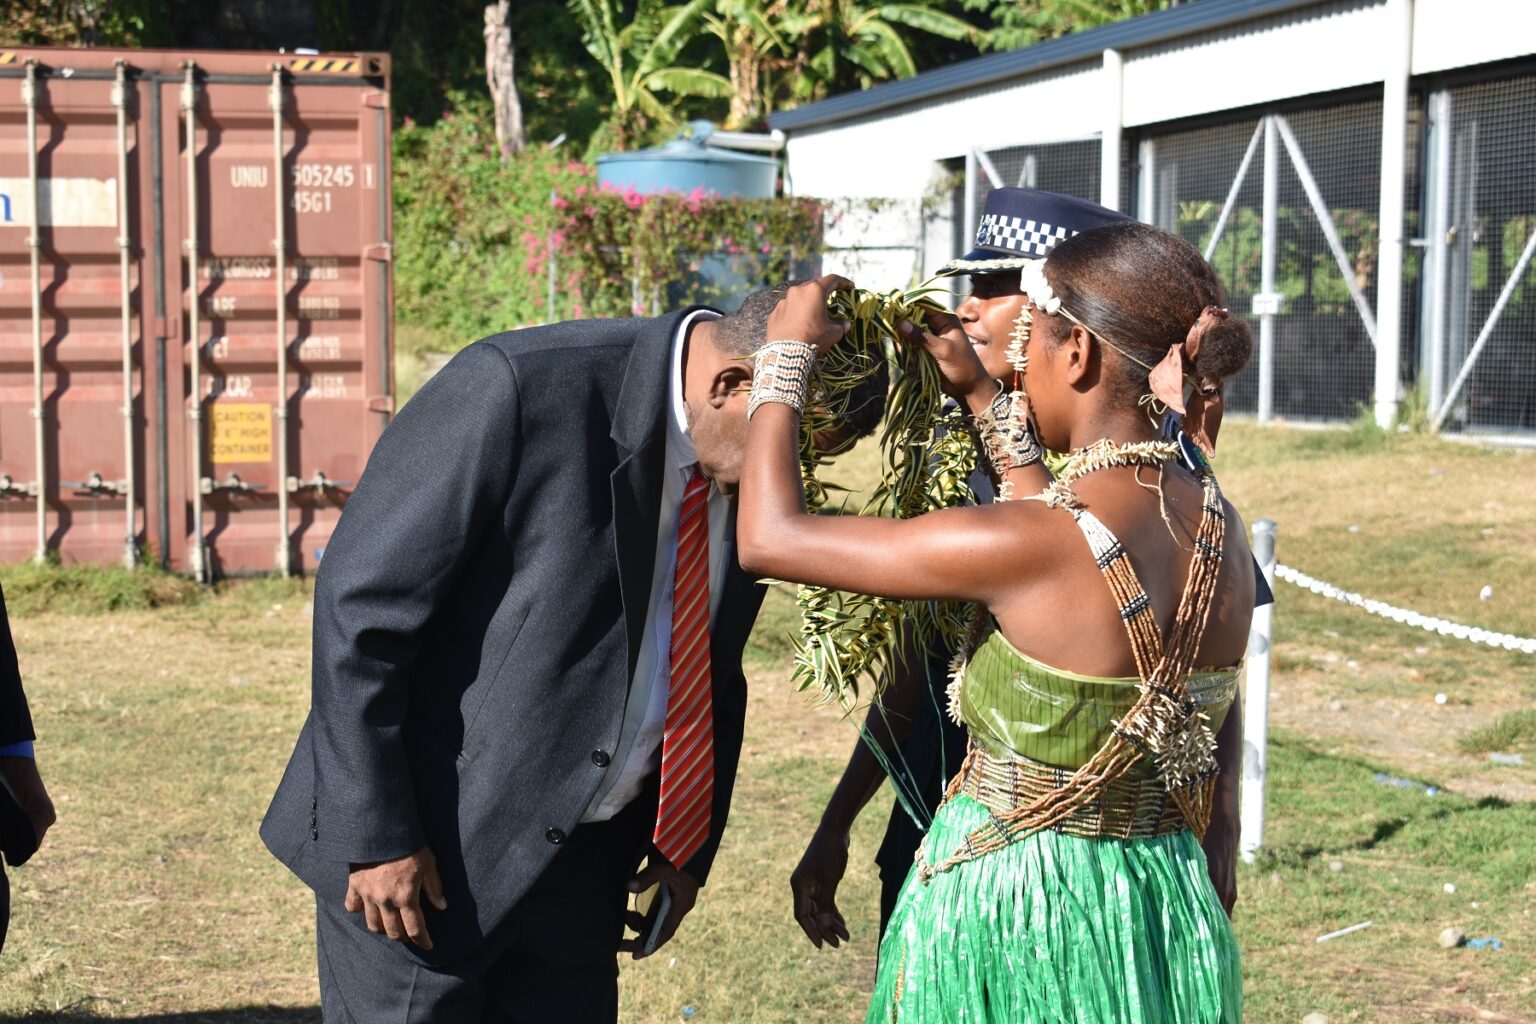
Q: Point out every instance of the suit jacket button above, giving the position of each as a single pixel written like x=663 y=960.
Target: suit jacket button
x=601 y=758
x=555 y=836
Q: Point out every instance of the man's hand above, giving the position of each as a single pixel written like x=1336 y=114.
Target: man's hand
x=945 y=339
x=389 y=895
x=801 y=314
x=685 y=893
x=26 y=784
x=814 y=886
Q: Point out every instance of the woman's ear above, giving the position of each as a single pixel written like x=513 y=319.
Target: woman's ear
x=735 y=377
x=1079 y=353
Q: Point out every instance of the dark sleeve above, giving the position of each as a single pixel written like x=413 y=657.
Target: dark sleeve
x=439 y=477
x=1262 y=595
x=15 y=720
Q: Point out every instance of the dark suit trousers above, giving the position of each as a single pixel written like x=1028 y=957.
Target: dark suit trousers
x=553 y=959
x=5 y=906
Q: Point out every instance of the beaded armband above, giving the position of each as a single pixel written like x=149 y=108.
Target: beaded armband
x=782 y=374
x=1005 y=433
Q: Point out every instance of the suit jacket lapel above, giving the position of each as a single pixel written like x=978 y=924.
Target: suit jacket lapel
x=639 y=433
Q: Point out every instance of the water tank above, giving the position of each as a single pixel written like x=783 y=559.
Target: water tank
x=688 y=163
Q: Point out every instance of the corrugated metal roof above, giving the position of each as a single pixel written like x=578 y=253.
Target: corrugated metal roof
x=1159 y=26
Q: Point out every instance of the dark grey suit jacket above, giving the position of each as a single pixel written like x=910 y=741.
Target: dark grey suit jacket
x=478 y=614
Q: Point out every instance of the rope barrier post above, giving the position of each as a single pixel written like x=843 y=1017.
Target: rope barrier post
x=1256 y=699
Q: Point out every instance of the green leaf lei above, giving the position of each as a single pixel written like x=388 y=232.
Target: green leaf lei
x=927 y=454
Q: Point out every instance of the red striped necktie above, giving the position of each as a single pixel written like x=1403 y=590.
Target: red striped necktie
x=688 y=744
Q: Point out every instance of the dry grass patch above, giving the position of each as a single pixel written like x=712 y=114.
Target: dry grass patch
x=165 y=731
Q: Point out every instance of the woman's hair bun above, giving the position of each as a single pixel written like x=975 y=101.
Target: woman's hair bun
x=1225 y=348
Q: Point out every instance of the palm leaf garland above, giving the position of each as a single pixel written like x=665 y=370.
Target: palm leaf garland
x=926 y=455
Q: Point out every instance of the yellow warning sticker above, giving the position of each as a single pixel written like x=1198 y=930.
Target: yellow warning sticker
x=324 y=65
x=240 y=432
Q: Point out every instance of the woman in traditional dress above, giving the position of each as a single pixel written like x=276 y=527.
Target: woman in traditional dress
x=1064 y=877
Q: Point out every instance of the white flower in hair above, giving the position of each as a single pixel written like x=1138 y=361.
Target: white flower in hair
x=1032 y=282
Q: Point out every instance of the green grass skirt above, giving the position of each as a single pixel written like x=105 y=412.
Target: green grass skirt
x=1055 y=929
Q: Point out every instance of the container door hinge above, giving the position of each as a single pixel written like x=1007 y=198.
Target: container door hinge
x=383 y=252
x=167 y=327
x=382 y=403
x=375 y=100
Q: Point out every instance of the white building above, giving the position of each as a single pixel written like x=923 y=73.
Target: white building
x=1361 y=172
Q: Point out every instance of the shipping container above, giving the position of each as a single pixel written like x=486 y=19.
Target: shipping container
x=195 y=302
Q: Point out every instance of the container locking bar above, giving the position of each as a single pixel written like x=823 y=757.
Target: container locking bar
x=280 y=250
x=11 y=489
x=124 y=255
x=319 y=483
x=97 y=487
x=231 y=483
x=35 y=244
x=199 y=553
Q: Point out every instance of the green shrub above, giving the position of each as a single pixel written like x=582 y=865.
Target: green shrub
x=32 y=588
x=474 y=238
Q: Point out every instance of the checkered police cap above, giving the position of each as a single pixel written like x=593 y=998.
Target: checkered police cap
x=1024 y=224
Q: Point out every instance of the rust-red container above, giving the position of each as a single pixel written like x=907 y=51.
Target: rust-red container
x=251 y=349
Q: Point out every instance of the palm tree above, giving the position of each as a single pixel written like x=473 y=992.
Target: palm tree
x=750 y=37
x=639 y=60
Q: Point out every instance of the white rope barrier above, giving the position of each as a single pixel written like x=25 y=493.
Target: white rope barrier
x=1428 y=623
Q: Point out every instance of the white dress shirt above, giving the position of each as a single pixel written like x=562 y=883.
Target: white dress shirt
x=645 y=715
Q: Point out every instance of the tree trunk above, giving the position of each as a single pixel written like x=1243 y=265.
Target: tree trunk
x=499 y=76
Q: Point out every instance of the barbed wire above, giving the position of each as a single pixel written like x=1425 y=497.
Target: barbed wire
x=1428 y=623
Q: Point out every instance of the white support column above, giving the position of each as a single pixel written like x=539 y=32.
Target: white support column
x=1268 y=302
x=968 y=229
x=1256 y=699
x=1146 y=192
x=1437 y=263
x=1114 y=117
x=1398 y=49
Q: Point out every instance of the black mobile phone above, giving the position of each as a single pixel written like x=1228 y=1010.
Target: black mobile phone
x=654 y=904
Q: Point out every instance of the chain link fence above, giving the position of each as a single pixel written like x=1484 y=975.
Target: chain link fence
x=1479 y=304
x=1468 y=325
x=1322 y=167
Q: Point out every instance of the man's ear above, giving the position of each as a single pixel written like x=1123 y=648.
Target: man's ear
x=1080 y=354
x=735 y=376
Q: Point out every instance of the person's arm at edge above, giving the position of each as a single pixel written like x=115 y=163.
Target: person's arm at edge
x=438 y=478
x=1224 y=832
x=18 y=759
x=813 y=884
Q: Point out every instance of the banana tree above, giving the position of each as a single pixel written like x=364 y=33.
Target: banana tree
x=640 y=60
x=752 y=42
x=849 y=44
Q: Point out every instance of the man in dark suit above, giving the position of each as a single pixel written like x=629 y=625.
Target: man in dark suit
x=26 y=813
x=527 y=672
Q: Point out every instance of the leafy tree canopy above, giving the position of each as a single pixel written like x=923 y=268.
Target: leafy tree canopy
x=612 y=73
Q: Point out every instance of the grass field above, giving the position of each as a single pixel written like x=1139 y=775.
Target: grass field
x=165 y=729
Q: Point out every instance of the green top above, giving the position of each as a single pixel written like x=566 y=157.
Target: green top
x=1013 y=704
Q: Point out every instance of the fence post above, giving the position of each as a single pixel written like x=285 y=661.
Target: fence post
x=1256 y=700
x=552 y=270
